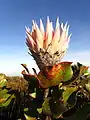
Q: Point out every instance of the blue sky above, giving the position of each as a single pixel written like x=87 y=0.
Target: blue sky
x=16 y=14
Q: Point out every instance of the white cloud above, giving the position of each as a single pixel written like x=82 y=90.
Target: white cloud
x=81 y=56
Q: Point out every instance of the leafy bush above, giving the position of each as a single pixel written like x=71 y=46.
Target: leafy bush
x=23 y=98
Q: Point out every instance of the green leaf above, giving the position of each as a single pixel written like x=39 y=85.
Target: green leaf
x=3 y=81
x=7 y=102
x=39 y=110
x=67 y=92
x=29 y=118
x=32 y=81
x=87 y=86
x=81 y=113
x=25 y=109
x=5 y=98
x=83 y=70
x=53 y=75
x=67 y=71
x=3 y=93
x=31 y=108
x=33 y=95
x=2 y=76
x=46 y=107
x=57 y=108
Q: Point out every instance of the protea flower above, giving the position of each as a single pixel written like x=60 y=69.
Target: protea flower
x=48 y=47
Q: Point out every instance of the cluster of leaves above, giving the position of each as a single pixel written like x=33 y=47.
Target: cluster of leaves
x=24 y=98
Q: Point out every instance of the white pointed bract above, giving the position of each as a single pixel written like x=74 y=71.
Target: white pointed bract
x=48 y=47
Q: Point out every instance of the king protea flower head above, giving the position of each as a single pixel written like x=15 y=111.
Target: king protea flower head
x=48 y=46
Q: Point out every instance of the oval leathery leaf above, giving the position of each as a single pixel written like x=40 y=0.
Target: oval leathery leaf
x=53 y=75
x=83 y=70
x=67 y=92
x=2 y=76
x=8 y=100
x=3 y=81
x=5 y=98
x=46 y=107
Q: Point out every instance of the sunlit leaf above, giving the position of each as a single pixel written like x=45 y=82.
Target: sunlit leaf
x=25 y=109
x=53 y=75
x=7 y=102
x=87 y=86
x=67 y=92
x=2 y=76
x=39 y=110
x=29 y=118
x=46 y=107
x=3 y=81
x=83 y=70
x=33 y=95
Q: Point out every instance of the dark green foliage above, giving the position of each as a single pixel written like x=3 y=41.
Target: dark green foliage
x=22 y=98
